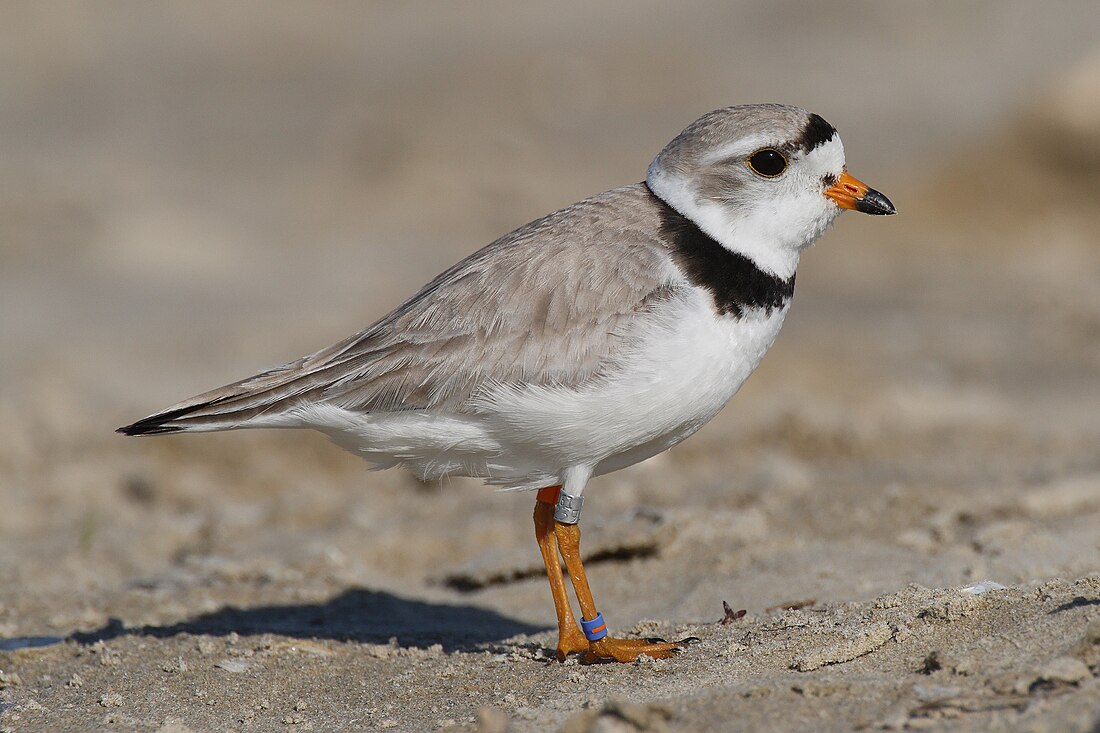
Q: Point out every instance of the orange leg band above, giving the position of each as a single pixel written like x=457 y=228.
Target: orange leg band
x=548 y=495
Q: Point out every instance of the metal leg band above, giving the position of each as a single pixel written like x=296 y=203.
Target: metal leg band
x=568 y=509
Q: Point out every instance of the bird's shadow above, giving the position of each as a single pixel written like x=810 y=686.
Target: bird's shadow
x=1078 y=602
x=355 y=615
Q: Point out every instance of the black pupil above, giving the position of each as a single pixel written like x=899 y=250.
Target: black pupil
x=767 y=162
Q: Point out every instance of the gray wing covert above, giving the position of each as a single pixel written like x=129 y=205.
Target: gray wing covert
x=533 y=308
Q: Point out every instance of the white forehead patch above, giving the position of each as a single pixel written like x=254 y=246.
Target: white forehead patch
x=827 y=158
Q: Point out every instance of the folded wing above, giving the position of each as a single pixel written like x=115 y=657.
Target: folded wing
x=553 y=302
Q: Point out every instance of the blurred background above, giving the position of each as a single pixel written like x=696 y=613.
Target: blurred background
x=192 y=192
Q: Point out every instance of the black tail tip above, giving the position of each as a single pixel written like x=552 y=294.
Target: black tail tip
x=159 y=424
x=148 y=427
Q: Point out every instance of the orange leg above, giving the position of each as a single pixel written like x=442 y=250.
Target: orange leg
x=619 y=650
x=570 y=638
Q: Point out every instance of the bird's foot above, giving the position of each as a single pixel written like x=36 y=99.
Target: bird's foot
x=571 y=641
x=628 y=650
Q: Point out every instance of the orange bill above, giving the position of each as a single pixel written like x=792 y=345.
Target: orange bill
x=851 y=193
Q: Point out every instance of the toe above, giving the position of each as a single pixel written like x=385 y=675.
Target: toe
x=628 y=650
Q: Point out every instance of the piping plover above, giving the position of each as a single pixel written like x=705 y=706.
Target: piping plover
x=581 y=343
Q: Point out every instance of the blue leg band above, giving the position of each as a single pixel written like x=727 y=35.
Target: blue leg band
x=595 y=629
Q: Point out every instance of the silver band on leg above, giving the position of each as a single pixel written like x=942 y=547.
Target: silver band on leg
x=568 y=509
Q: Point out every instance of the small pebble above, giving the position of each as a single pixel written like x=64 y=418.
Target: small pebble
x=233 y=665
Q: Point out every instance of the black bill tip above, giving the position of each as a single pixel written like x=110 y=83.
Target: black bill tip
x=875 y=203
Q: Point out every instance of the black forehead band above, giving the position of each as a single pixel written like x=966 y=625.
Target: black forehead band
x=817 y=132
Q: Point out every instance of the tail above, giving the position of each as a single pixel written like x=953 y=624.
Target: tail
x=262 y=401
x=158 y=424
x=188 y=418
x=266 y=400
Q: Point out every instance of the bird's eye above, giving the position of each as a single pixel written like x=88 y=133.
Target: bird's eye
x=768 y=162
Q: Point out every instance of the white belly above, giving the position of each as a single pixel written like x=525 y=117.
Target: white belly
x=684 y=371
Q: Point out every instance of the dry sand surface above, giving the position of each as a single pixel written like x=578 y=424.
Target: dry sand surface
x=905 y=499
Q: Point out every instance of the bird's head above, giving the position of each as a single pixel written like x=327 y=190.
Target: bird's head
x=764 y=180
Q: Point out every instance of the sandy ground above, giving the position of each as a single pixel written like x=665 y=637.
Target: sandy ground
x=905 y=499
